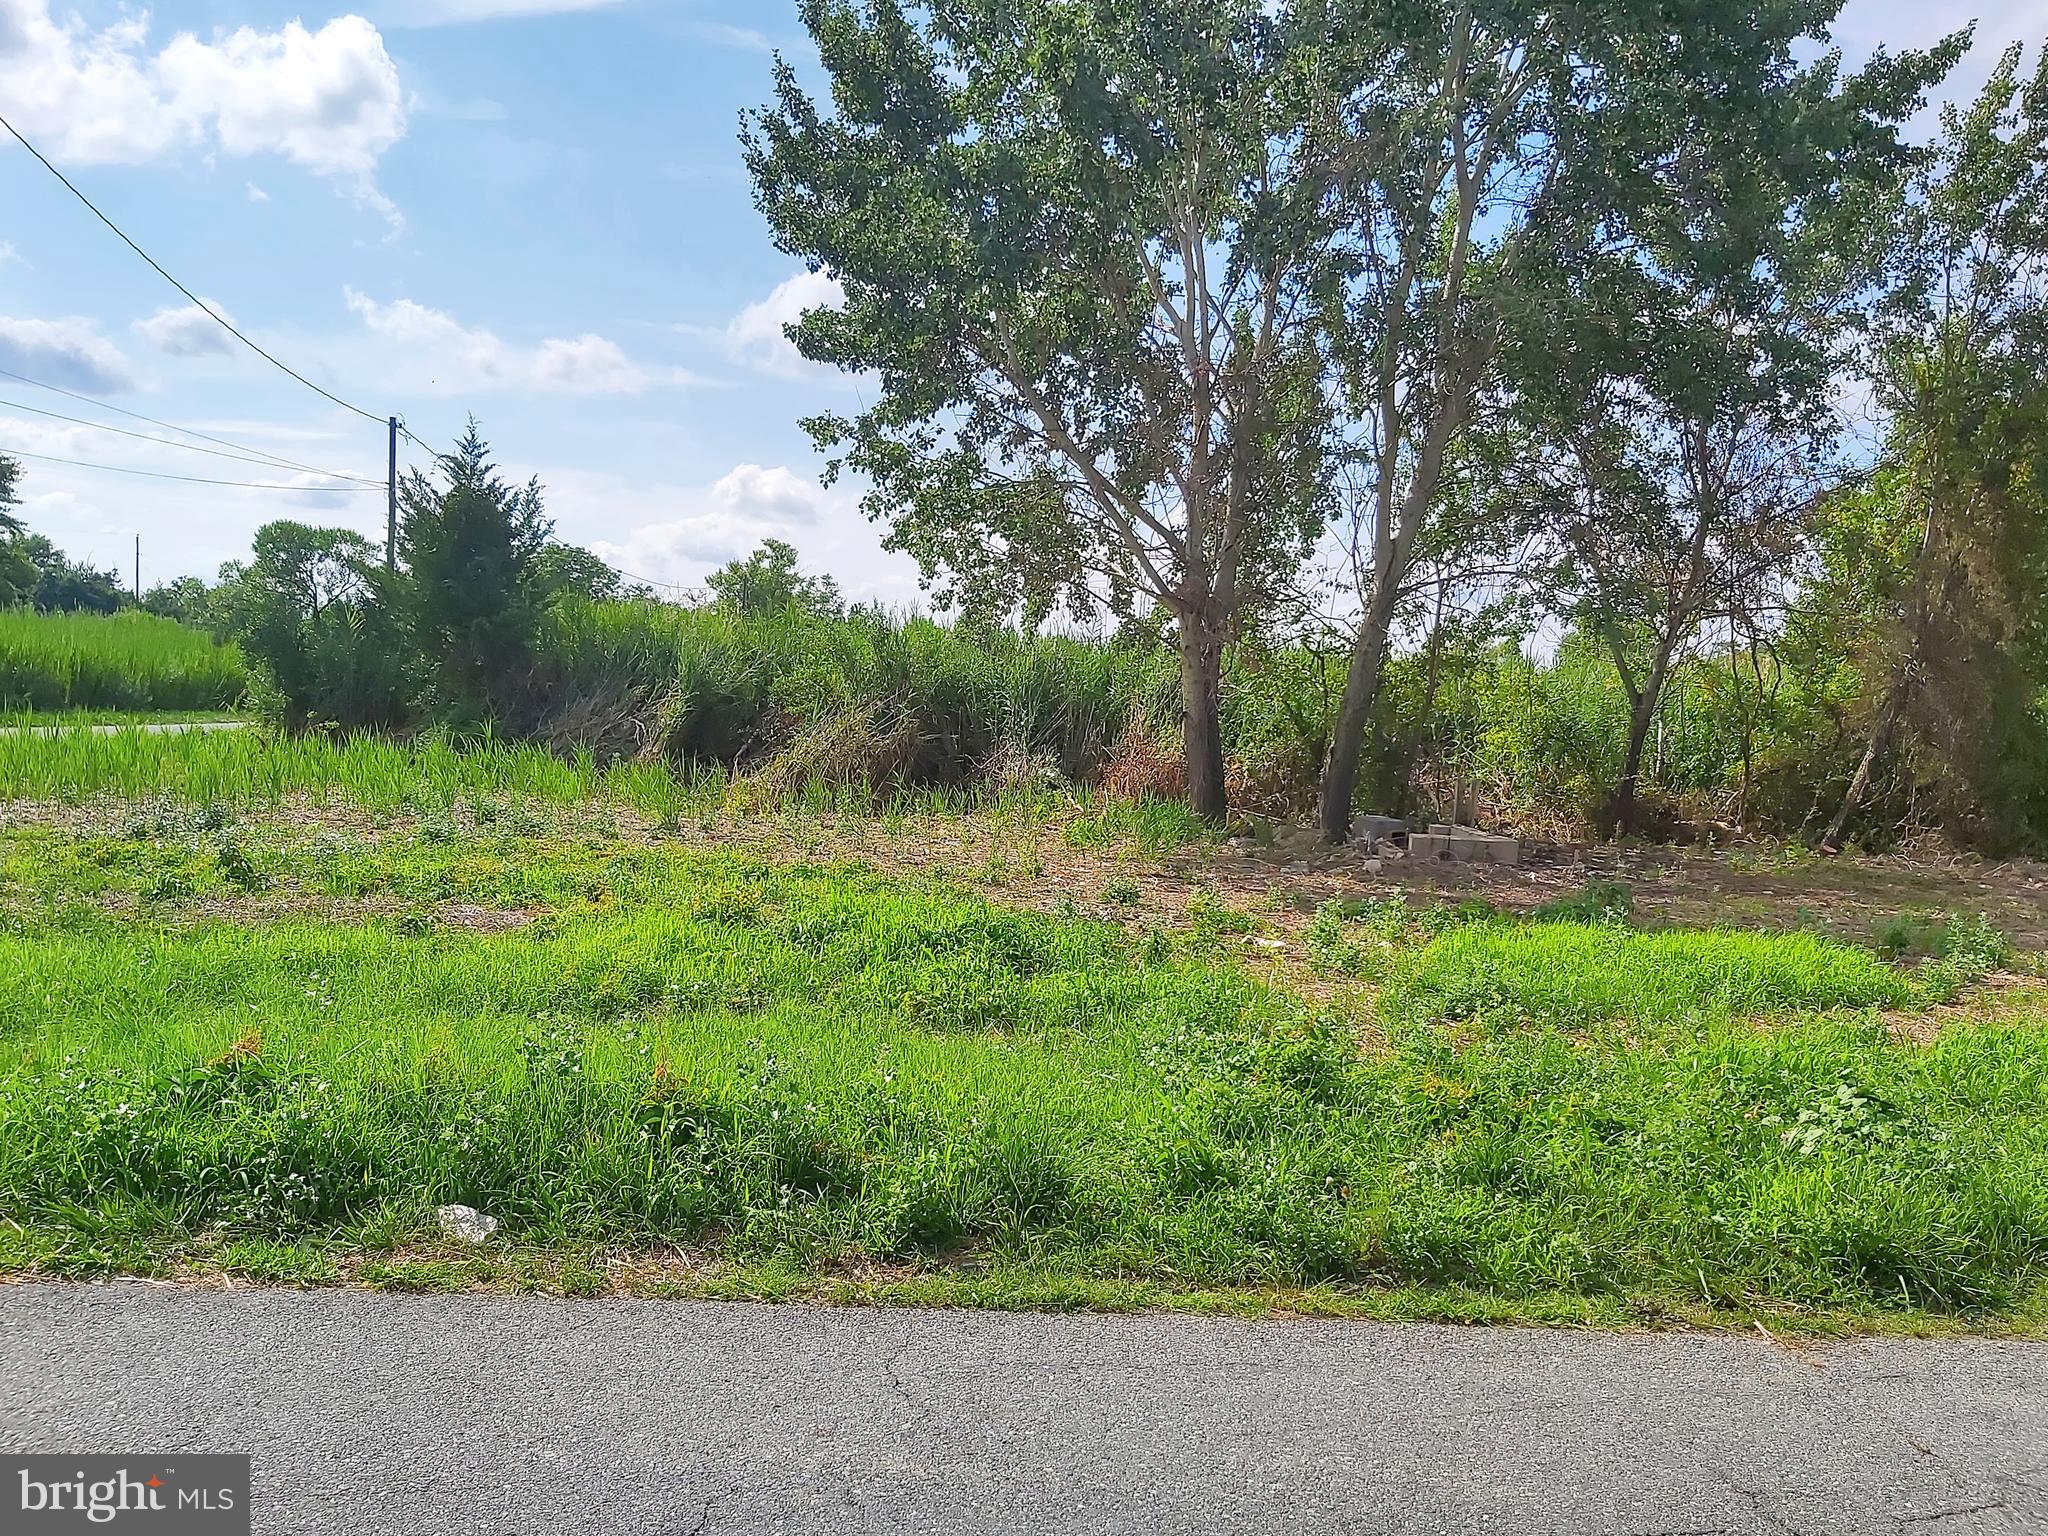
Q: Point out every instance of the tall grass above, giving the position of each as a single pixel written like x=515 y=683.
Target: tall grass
x=730 y=690
x=233 y=768
x=127 y=661
x=430 y=774
x=1535 y=742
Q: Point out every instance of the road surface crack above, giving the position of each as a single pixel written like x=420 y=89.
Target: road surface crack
x=1982 y=1507
x=1756 y=1498
x=898 y=1386
x=703 y=1518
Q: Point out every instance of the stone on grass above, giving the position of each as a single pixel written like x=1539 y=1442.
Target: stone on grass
x=466 y=1223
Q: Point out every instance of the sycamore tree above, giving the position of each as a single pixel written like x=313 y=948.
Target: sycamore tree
x=1079 y=242
x=1667 y=519
x=1943 y=555
x=1492 y=153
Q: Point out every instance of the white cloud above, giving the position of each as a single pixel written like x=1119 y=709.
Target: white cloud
x=726 y=520
x=777 y=494
x=187 y=331
x=756 y=335
x=257 y=194
x=444 y=356
x=729 y=36
x=329 y=100
x=67 y=353
x=435 y=13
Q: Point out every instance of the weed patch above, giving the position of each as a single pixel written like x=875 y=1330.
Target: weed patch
x=805 y=1068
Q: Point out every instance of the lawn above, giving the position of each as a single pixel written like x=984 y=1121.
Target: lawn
x=267 y=1044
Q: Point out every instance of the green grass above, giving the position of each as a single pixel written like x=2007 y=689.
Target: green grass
x=126 y=662
x=795 y=1069
x=261 y=769
x=1570 y=976
x=64 y=719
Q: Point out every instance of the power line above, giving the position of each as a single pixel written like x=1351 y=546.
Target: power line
x=645 y=581
x=157 y=474
x=419 y=442
x=204 y=307
x=170 y=426
x=168 y=442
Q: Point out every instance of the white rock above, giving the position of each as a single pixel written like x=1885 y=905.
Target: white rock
x=466 y=1223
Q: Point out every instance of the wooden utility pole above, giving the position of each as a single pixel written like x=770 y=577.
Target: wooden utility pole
x=391 y=503
x=138 y=568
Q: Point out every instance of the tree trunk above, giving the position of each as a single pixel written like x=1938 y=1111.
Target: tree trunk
x=1859 y=784
x=1354 y=714
x=1201 y=697
x=1621 y=811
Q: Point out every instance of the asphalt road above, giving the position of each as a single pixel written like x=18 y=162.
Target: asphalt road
x=373 y=1413
x=145 y=727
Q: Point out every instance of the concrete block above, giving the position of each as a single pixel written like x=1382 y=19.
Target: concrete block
x=1465 y=848
x=1374 y=830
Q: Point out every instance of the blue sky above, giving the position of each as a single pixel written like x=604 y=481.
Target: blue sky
x=529 y=209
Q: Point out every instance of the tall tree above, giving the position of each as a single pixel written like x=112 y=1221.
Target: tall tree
x=184 y=598
x=1669 y=519
x=569 y=570
x=770 y=581
x=1496 y=150
x=1954 y=549
x=17 y=571
x=10 y=496
x=471 y=548
x=1686 y=434
x=65 y=585
x=308 y=610
x=1078 y=243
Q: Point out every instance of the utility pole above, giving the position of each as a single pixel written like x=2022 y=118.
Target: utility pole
x=391 y=504
x=138 y=568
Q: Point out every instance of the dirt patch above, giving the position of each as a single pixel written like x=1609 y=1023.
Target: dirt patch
x=2001 y=999
x=462 y=914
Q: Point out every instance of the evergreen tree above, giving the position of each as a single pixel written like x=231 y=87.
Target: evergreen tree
x=472 y=589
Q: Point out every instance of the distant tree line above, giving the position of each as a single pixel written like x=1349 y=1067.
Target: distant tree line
x=339 y=636
x=34 y=572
